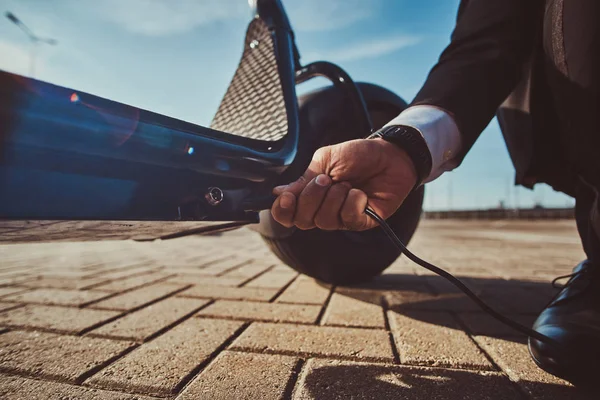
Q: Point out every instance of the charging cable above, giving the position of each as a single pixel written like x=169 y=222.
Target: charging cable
x=457 y=282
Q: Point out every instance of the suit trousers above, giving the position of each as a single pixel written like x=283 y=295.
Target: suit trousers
x=571 y=41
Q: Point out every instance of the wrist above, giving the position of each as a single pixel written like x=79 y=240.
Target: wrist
x=399 y=156
x=439 y=130
x=411 y=141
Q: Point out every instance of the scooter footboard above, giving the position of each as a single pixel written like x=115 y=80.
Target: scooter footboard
x=254 y=104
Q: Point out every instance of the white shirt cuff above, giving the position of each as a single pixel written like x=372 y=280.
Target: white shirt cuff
x=440 y=133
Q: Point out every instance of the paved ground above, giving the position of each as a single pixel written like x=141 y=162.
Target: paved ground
x=219 y=317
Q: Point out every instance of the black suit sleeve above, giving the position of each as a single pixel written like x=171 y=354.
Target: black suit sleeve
x=482 y=64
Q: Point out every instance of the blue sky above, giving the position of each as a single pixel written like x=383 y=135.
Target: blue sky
x=176 y=57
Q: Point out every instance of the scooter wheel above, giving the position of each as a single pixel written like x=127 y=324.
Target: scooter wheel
x=340 y=257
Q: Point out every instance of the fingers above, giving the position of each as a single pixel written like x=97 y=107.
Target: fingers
x=301 y=199
x=314 y=169
x=297 y=186
x=353 y=211
x=318 y=205
x=325 y=206
x=299 y=210
x=310 y=201
x=328 y=217
x=284 y=208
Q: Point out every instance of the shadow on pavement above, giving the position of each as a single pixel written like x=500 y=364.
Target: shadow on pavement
x=338 y=380
x=424 y=297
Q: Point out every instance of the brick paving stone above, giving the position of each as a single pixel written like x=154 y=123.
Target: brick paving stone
x=480 y=323
x=157 y=367
x=123 y=273
x=131 y=283
x=520 y=299
x=117 y=270
x=14 y=270
x=304 y=340
x=229 y=293
x=223 y=266
x=434 y=339
x=349 y=311
x=248 y=271
x=305 y=290
x=371 y=296
x=62 y=297
x=18 y=273
x=201 y=257
x=272 y=279
x=402 y=266
x=8 y=306
x=189 y=271
x=138 y=297
x=143 y=323
x=421 y=299
x=16 y=280
x=393 y=281
x=545 y=289
x=62 y=283
x=256 y=376
x=334 y=379
x=49 y=272
x=255 y=311
x=207 y=280
x=514 y=359
x=17 y=388
x=475 y=272
x=54 y=318
x=53 y=356
x=205 y=258
x=6 y=291
x=279 y=267
x=441 y=285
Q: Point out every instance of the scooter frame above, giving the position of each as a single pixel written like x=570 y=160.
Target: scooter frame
x=69 y=155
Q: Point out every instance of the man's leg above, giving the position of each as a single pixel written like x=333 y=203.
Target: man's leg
x=572 y=319
x=572 y=48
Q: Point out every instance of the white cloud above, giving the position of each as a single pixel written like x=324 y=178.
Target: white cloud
x=367 y=49
x=329 y=15
x=167 y=17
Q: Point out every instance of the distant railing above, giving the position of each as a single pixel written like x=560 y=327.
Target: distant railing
x=527 y=213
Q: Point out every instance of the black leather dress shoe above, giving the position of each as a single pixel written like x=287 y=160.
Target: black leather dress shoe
x=572 y=320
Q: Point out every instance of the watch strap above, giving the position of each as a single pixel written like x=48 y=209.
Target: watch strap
x=412 y=142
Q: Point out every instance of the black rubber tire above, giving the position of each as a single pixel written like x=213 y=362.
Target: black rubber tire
x=343 y=257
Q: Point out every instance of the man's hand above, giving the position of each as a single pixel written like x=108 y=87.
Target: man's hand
x=339 y=183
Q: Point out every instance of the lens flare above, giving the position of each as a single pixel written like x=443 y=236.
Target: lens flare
x=121 y=127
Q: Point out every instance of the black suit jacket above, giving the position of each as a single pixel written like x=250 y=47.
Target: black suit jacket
x=495 y=64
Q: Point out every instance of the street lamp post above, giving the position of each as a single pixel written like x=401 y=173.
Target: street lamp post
x=34 y=40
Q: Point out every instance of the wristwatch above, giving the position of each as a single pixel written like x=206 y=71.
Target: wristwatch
x=412 y=142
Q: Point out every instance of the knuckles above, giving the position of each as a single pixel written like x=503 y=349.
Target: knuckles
x=326 y=223
x=304 y=226
x=353 y=222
